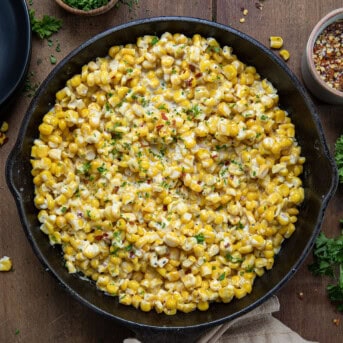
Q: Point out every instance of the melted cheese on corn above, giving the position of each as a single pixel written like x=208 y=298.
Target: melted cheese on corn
x=168 y=173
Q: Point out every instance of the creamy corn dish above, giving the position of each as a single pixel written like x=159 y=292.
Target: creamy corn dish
x=168 y=173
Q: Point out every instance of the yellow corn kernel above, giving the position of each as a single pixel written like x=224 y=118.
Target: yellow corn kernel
x=276 y=42
x=145 y=306
x=240 y=293
x=285 y=54
x=5 y=264
x=112 y=288
x=45 y=129
x=75 y=81
x=171 y=302
x=4 y=127
x=199 y=250
x=126 y=299
x=246 y=249
x=203 y=306
x=230 y=71
x=60 y=95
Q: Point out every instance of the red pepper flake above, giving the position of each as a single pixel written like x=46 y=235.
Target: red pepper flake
x=163 y=115
x=328 y=55
x=159 y=127
x=100 y=237
x=192 y=67
x=198 y=75
x=165 y=207
x=189 y=82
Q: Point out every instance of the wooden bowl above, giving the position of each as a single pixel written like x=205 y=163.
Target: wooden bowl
x=96 y=11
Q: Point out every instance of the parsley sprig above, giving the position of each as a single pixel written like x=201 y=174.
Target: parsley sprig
x=45 y=27
x=339 y=157
x=328 y=260
x=328 y=252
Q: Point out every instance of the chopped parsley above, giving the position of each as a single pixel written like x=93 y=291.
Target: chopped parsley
x=221 y=277
x=102 y=169
x=233 y=259
x=45 y=27
x=86 y=5
x=154 y=40
x=53 y=59
x=339 y=157
x=328 y=260
x=200 y=238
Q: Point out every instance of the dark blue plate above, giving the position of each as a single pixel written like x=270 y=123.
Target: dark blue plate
x=15 y=47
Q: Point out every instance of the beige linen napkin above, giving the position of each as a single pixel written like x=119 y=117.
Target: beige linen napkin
x=256 y=326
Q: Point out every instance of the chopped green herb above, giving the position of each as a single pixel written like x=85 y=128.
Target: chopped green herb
x=154 y=40
x=328 y=260
x=86 y=5
x=85 y=168
x=221 y=277
x=233 y=259
x=102 y=169
x=128 y=248
x=239 y=226
x=339 y=157
x=46 y=27
x=30 y=87
x=53 y=59
x=200 y=238
x=63 y=209
x=194 y=110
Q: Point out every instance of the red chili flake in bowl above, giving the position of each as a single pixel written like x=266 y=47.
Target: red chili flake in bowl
x=328 y=55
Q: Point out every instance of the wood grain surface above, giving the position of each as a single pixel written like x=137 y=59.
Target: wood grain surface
x=33 y=307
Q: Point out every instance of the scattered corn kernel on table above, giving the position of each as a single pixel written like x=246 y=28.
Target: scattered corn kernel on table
x=34 y=307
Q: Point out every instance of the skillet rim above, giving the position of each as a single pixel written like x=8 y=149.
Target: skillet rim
x=296 y=83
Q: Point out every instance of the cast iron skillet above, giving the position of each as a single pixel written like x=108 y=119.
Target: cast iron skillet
x=320 y=179
x=15 y=47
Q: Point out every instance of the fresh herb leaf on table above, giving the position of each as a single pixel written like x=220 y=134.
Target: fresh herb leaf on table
x=328 y=252
x=46 y=27
x=339 y=157
x=328 y=260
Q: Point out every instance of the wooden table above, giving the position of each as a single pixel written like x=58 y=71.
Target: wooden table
x=33 y=307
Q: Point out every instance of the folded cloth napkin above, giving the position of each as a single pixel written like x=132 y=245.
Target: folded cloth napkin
x=256 y=326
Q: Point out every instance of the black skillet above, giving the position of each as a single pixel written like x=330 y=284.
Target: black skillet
x=319 y=179
x=15 y=49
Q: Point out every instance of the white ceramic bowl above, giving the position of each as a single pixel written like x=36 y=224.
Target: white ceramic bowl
x=311 y=78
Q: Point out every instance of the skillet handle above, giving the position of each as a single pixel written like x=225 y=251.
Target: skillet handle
x=169 y=336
